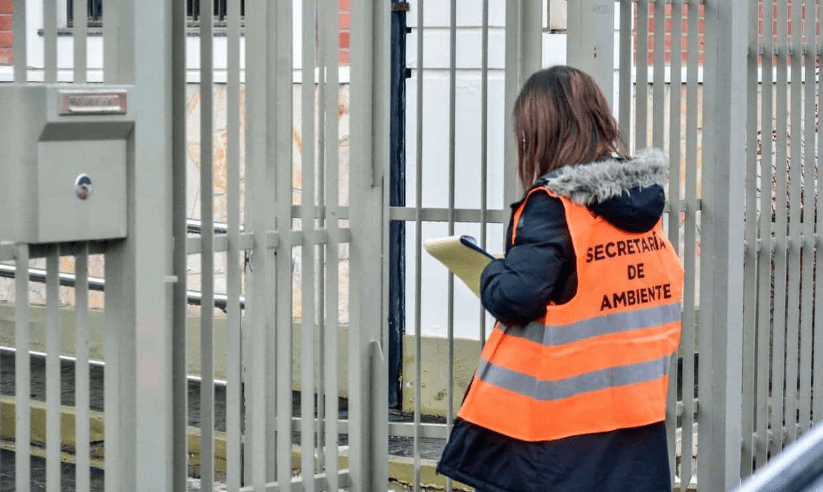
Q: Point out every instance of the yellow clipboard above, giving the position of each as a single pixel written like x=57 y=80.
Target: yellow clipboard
x=462 y=256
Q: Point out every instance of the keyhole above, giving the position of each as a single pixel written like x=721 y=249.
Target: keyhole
x=82 y=186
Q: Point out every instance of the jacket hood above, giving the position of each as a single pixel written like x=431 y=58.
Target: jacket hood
x=629 y=194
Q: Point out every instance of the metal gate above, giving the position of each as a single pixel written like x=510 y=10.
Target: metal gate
x=224 y=180
x=685 y=77
x=284 y=227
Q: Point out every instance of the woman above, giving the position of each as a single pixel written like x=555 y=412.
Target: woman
x=570 y=391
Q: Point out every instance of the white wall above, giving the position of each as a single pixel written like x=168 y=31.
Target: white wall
x=434 y=319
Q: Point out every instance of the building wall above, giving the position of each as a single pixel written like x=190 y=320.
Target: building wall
x=668 y=33
x=6 y=36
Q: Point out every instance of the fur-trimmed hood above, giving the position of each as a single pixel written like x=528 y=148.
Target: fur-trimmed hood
x=627 y=193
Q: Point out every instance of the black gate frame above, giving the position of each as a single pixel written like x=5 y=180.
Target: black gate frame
x=397 y=185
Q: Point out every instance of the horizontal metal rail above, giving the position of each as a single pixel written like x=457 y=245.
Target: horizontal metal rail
x=320 y=483
x=785 y=49
x=435 y=214
x=99 y=284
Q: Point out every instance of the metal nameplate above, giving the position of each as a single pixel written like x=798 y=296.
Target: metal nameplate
x=92 y=102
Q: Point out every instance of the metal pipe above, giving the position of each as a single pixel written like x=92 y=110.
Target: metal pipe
x=98 y=284
x=797 y=469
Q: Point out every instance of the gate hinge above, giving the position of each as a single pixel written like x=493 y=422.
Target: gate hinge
x=400 y=7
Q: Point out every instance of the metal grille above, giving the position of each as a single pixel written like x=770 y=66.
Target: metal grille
x=249 y=240
x=651 y=97
x=298 y=167
x=782 y=350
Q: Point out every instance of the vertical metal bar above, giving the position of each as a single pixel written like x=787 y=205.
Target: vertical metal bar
x=626 y=63
x=50 y=41
x=380 y=150
x=52 y=328
x=18 y=20
x=81 y=370
x=721 y=296
x=523 y=56
x=418 y=249
x=150 y=333
x=119 y=42
x=659 y=77
x=180 y=265
x=806 y=334
x=452 y=155
x=307 y=90
x=281 y=126
x=817 y=356
x=113 y=405
x=79 y=35
x=780 y=253
x=750 y=260
x=257 y=156
x=207 y=250
x=330 y=340
x=793 y=277
x=590 y=42
x=641 y=137
x=675 y=112
x=22 y=371
x=764 y=312
x=689 y=243
x=233 y=272
x=484 y=144
x=320 y=272
x=369 y=139
x=274 y=283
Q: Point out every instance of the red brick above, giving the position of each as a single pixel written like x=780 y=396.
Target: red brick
x=344 y=39
x=345 y=21
x=345 y=57
x=6 y=6
x=5 y=22
x=6 y=39
x=5 y=56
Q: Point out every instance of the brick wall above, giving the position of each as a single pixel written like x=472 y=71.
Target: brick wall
x=5 y=32
x=668 y=54
x=345 y=30
x=668 y=34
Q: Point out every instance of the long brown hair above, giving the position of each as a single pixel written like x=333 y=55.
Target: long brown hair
x=561 y=118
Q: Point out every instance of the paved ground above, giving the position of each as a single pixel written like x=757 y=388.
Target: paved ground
x=38 y=474
x=398 y=446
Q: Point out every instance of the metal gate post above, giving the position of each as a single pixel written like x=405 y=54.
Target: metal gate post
x=524 y=55
x=370 y=117
x=721 y=299
x=119 y=322
x=137 y=291
x=590 y=41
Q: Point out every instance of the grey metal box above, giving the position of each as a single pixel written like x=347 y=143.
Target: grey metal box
x=54 y=140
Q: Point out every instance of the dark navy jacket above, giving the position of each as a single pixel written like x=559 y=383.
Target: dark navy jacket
x=540 y=269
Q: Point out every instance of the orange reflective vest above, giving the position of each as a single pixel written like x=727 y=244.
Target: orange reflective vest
x=597 y=363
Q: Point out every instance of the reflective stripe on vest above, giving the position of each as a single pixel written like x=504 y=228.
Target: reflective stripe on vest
x=597 y=363
x=543 y=390
x=555 y=335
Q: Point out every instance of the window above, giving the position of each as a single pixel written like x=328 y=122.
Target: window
x=95 y=12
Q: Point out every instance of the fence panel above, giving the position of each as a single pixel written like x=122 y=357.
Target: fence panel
x=783 y=60
x=307 y=225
